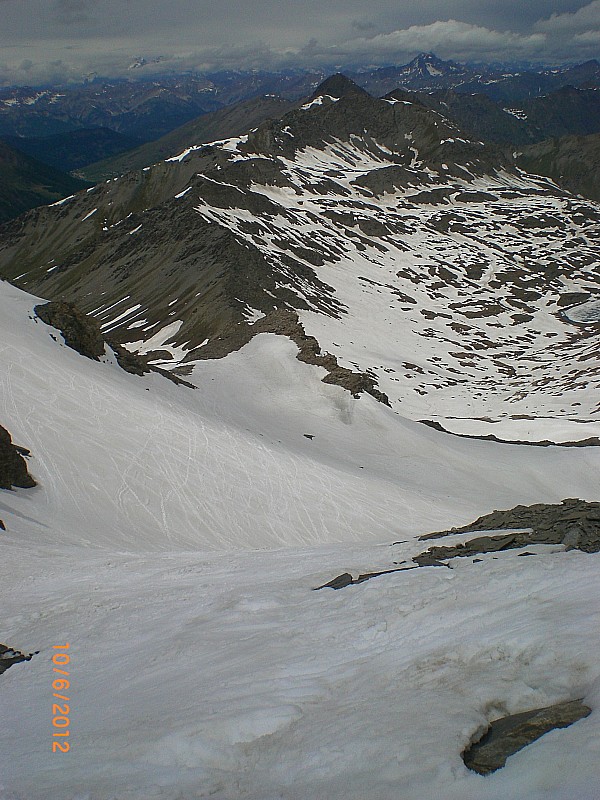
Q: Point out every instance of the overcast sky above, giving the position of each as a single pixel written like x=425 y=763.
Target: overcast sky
x=45 y=40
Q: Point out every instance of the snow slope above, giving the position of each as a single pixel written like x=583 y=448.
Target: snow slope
x=226 y=676
x=231 y=458
x=223 y=674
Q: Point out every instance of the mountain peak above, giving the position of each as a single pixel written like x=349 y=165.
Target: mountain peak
x=338 y=85
x=428 y=65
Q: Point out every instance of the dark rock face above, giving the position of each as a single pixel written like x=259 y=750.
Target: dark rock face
x=8 y=657
x=508 y=735
x=482 y=544
x=80 y=332
x=592 y=441
x=571 y=161
x=346 y=579
x=574 y=523
x=13 y=468
x=338 y=85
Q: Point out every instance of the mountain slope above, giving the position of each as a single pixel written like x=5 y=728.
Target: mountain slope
x=75 y=149
x=139 y=479
x=177 y=533
x=565 y=112
x=26 y=183
x=234 y=467
x=221 y=124
x=413 y=255
x=572 y=161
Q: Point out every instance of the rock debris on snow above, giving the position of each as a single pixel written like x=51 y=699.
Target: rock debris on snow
x=508 y=735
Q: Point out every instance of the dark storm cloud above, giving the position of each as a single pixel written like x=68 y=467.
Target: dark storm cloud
x=360 y=25
x=107 y=36
x=71 y=12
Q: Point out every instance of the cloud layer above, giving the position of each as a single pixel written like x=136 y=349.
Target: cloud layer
x=55 y=40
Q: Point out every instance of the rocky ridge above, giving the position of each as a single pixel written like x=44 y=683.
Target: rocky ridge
x=574 y=523
x=374 y=221
x=9 y=656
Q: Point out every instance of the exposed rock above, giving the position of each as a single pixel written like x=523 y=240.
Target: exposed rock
x=310 y=352
x=80 y=331
x=483 y=544
x=8 y=657
x=285 y=322
x=508 y=735
x=13 y=468
x=572 y=298
x=592 y=441
x=338 y=85
x=574 y=523
x=339 y=582
x=346 y=579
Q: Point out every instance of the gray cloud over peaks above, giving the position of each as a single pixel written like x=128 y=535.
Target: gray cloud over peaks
x=40 y=40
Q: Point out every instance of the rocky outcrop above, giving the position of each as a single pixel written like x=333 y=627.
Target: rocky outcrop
x=592 y=441
x=574 y=523
x=346 y=579
x=8 y=657
x=13 y=467
x=285 y=322
x=508 y=735
x=80 y=331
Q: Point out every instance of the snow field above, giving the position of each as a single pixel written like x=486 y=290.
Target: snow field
x=223 y=674
x=488 y=370
x=204 y=675
x=139 y=463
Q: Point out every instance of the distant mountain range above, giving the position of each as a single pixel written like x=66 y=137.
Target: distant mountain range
x=154 y=111
x=144 y=110
x=221 y=124
x=147 y=110
x=428 y=73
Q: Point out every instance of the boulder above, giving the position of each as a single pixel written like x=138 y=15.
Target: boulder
x=13 y=467
x=508 y=735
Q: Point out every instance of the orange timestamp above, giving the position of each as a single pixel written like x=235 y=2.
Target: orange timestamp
x=61 y=712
